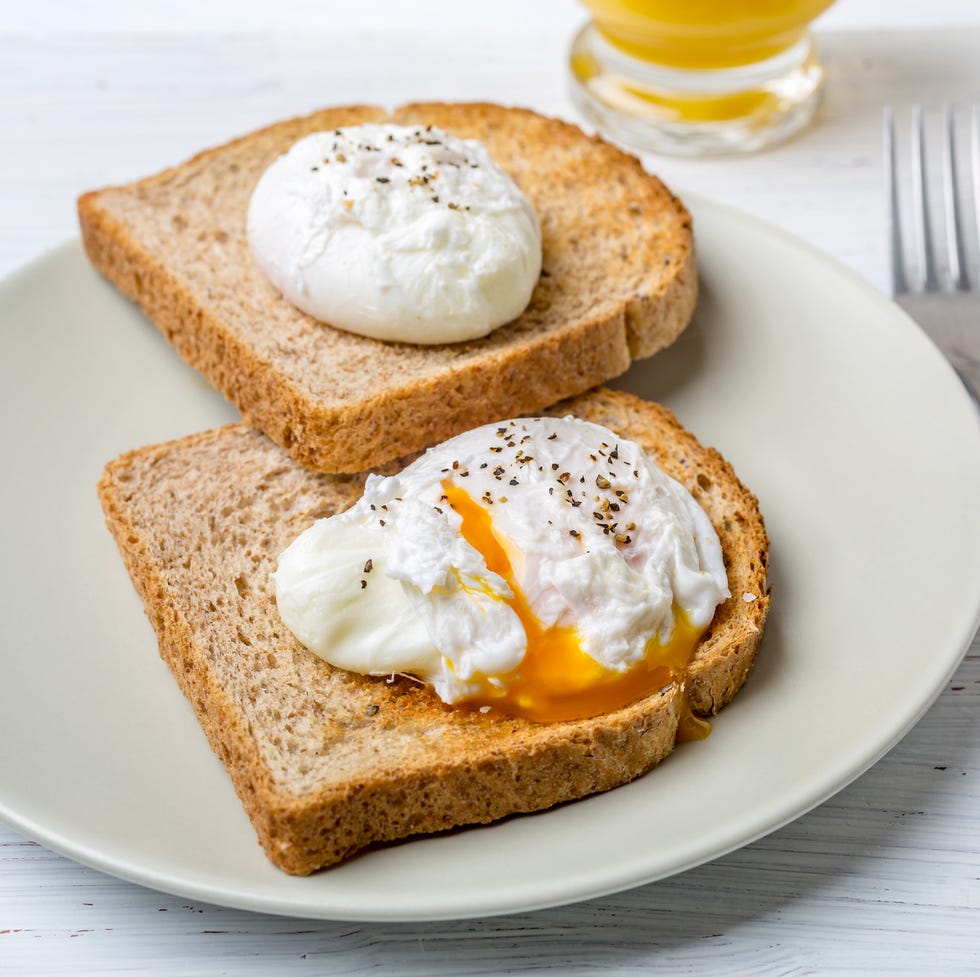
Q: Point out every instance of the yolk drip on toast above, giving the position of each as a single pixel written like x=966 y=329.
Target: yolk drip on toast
x=557 y=680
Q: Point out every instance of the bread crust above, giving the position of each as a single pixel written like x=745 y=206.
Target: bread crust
x=328 y=763
x=620 y=282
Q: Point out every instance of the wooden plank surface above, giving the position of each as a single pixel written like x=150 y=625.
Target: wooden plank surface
x=882 y=879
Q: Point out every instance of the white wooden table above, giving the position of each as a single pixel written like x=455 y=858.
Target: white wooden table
x=882 y=879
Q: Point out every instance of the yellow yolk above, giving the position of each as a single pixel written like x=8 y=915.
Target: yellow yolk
x=557 y=680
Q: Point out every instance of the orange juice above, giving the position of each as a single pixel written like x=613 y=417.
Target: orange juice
x=704 y=34
x=698 y=77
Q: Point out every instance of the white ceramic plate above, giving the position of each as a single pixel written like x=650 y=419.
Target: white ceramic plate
x=856 y=436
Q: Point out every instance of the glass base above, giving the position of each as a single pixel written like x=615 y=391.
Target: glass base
x=694 y=113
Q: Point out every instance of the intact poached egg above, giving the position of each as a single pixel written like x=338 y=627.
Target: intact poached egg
x=396 y=232
x=542 y=567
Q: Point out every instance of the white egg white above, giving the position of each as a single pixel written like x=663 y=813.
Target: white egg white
x=396 y=232
x=599 y=539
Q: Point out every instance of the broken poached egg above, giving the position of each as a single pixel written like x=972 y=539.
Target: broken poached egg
x=542 y=567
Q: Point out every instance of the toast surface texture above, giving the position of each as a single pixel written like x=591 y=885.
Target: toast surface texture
x=327 y=762
x=619 y=282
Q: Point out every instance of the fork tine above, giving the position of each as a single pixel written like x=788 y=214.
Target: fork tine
x=920 y=197
x=975 y=160
x=955 y=247
x=899 y=281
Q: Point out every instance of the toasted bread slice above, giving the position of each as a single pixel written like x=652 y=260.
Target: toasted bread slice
x=327 y=762
x=619 y=281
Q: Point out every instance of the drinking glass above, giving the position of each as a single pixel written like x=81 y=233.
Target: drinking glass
x=696 y=77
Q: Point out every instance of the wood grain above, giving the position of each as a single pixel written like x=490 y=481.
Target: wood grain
x=884 y=878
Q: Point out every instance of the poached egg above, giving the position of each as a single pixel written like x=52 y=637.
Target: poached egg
x=396 y=232
x=542 y=567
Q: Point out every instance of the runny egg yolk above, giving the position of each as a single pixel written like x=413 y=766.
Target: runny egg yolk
x=557 y=680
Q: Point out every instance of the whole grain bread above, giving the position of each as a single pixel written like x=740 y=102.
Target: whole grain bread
x=619 y=282
x=327 y=762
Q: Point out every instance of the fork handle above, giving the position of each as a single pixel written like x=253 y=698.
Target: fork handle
x=952 y=321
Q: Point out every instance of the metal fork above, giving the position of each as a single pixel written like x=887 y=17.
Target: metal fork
x=940 y=292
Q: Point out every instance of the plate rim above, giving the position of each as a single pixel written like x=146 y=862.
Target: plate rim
x=547 y=896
